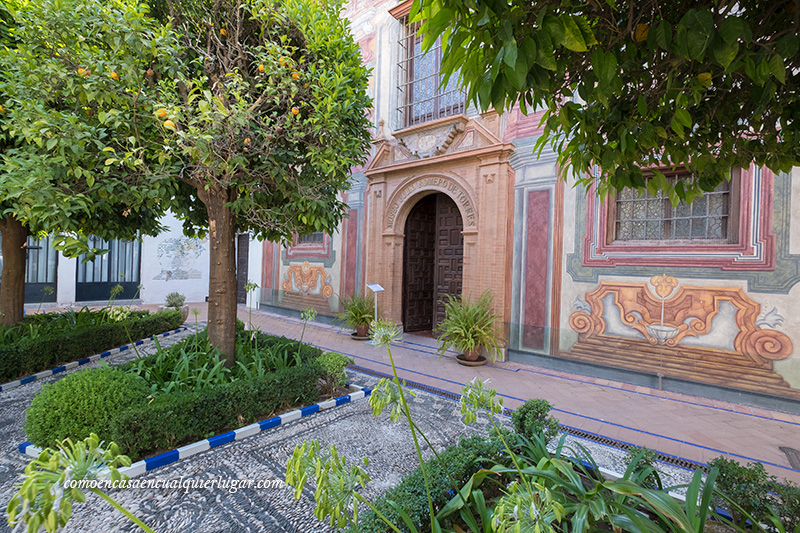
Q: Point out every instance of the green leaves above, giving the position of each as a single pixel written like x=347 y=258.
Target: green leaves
x=77 y=163
x=680 y=86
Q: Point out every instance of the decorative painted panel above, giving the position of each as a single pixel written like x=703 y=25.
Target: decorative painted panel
x=536 y=268
x=307 y=279
x=633 y=326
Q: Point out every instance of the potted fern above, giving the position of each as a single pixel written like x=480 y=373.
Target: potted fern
x=175 y=302
x=468 y=327
x=358 y=312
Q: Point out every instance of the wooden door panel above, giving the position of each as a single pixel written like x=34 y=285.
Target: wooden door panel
x=419 y=262
x=449 y=253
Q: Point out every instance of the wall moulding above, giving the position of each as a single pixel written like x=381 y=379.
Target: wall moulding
x=754 y=249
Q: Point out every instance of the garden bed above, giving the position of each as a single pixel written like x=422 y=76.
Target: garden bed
x=173 y=456
x=43 y=341
x=184 y=394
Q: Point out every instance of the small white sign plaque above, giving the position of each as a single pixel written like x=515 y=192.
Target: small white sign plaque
x=374 y=287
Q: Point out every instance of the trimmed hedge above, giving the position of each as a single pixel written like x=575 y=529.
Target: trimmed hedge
x=52 y=348
x=184 y=417
x=119 y=406
x=81 y=404
x=461 y=461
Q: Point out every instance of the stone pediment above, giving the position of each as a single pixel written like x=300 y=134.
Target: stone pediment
x=431 y=140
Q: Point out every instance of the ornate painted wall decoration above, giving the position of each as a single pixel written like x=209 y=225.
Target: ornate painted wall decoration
x=308 y=280
x=653 y=328
x=177 y=258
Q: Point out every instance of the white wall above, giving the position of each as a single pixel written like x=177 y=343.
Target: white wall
x=254 y=267
x=173 y=262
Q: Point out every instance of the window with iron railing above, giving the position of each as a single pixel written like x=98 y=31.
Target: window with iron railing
x=421 y=97
x=316 y=237
x=648 y=219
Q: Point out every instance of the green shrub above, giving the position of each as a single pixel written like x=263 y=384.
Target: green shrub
x=62 y=339
x=332 y=365
x=748 y=486
x=174 y=299
x=81 y=404
x=532 y=418
x=193 y=363
x=789 y=506
x=642 y=463
x=460 y=461
x=187 y=416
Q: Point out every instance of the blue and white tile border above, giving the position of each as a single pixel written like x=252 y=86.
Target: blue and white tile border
x=173 y=456
x=86 y=360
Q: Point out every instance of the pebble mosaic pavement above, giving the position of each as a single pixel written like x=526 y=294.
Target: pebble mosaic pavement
x=352 y=428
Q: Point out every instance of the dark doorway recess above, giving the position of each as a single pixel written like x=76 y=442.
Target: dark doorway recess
x=120 y=266
x=433 y=260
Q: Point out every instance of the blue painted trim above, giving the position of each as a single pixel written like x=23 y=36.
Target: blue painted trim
x=270 y=423
x=342 y=399
x=23 y=446
x=80 y=362
x=310 y=410
x=219 y=440
x=161 y=460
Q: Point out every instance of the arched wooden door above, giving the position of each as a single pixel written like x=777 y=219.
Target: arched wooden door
x=433 y=260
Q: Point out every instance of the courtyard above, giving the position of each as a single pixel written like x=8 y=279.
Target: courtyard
x=602 y=415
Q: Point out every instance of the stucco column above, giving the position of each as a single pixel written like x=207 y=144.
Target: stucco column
x=495 y=190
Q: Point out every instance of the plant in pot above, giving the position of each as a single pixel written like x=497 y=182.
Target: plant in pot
x=468 y=327
x=175 y=302
x=358 y=313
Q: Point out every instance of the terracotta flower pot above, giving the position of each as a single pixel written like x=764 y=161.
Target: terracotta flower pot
x=183 y=309
x=473 y=354
x=362 y=330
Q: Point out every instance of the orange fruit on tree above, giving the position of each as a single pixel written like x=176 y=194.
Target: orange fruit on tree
x=281 y=61
x=169 y=125
x=247 y=141
x=114 y=76
x=295 y=111
x=641 y=33
x=296 y=75
x=223 y=31
x=161 y=113
x=149 y=72
x=2 y=109
x=261 y=69
x=83 y=72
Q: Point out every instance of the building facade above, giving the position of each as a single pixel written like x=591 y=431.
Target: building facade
x=700 y=298
x=147 y=270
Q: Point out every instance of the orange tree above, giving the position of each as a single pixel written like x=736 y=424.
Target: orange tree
x=263 y=124
x=710 y=84
x=77 y=128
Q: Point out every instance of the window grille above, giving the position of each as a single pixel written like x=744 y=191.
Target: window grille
x=421 y=99
x=313 y=238
x=652 y=218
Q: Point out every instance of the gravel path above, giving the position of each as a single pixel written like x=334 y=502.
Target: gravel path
x=351 y=428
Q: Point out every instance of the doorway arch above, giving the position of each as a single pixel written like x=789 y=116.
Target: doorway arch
x=433 y=260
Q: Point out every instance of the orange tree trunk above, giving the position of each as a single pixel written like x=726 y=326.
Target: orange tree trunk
x=12 y=279
x=222 y=271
